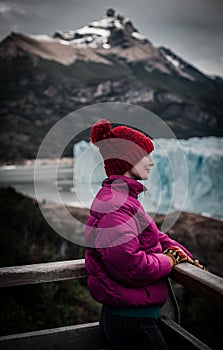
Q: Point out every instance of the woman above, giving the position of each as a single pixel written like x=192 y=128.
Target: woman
x=127 y=258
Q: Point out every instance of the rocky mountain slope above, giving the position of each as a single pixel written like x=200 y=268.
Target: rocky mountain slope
x=43 y=78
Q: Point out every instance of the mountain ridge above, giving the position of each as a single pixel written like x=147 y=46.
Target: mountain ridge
x=107 y=34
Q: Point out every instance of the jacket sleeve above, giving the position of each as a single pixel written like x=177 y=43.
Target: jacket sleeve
x=126 y=262
x=166 y=242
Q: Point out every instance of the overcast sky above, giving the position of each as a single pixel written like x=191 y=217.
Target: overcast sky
x=193 y=29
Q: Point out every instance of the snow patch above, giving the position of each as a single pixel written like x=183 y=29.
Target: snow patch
x=175 y=62
x=138 y=36
x=41 y=37
x=95 y=31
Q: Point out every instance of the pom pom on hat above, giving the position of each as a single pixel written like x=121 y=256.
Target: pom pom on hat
x=100 y=130
x=121 y=147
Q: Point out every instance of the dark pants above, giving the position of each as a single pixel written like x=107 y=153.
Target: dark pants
x=121 y=332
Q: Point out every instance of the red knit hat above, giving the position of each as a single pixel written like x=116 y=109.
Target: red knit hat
x=121 y=147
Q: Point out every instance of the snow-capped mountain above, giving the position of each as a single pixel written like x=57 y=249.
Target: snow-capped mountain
x=95 y=42
x=115 y=30
x=113 y=34
x=111 y=30
x=44 y=77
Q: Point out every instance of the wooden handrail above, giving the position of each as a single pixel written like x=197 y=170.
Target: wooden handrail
x=41 y=273
x=199 y=281
x=202 y=282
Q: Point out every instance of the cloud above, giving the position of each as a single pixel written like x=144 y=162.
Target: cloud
x=4 y=8
x=10 y=9
x=17 y=18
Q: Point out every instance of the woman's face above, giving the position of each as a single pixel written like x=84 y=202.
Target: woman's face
x=141 y=170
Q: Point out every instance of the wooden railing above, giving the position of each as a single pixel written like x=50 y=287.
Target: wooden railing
x=202 y=282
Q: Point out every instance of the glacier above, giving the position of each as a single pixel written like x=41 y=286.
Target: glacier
x=187 y=176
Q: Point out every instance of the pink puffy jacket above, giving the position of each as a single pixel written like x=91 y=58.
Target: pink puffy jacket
x=124 y=257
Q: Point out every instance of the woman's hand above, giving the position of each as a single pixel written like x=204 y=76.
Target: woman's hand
x=179 y=256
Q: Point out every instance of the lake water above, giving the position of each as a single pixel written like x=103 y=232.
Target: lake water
x=22 y=179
